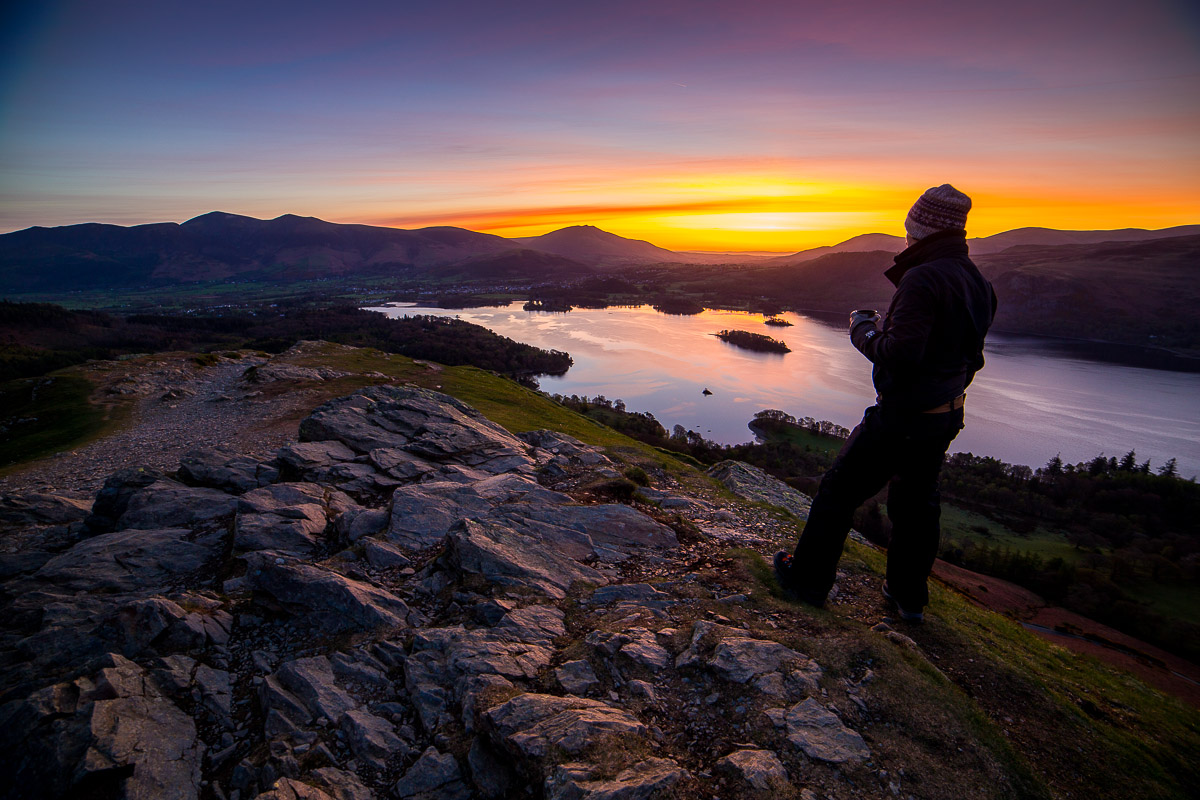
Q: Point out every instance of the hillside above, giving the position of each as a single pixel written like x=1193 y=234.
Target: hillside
x=223 y=247
x=866 y=243
x=1128 y=293
x=409 y=600
x=516 y=265
x=1048 y=236
x=984 y=245
x=832 y=282
x=1133 y=293
x=591 y=245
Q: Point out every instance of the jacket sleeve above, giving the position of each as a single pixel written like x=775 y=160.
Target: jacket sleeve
x=906 y=331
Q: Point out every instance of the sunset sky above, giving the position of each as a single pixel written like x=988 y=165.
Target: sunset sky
x=693 y=124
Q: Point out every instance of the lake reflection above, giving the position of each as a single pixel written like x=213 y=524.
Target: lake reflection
x=1025 y=406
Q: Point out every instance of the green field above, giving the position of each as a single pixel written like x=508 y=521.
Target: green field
x=1175 y=601
x=962 y=526
x=40 y=416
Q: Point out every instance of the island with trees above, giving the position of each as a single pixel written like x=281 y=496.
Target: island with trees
x=753 y=341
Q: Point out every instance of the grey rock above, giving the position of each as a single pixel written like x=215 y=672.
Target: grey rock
x=577 y=677
x=503 y=556
x=494 y=778
x=400 y=464
x=640 y=593
x=564 y=449
x=532 y=624
x=641 y=781
x=161 y=623
x=216 y=690
x=357 y=479
x=491 y=612
x=666 y=499
x=284 y=517
x=27 y=561
x=113 y=498
x=508 y=488
x=42 y=509
x=821 y=735
x=611 y=527
x=218 y=468
x=643 y=689
x=357 y=523
x=292 y=789
x=302 y=458
x=753 y=484
x=74 y=632
x=422 y=515
x=434 y=776
x=330 y=601
x=739 y=659
x=170 y=504
x=475 y=692
x=296 y=500
x=281 y=371
x=480 y=651
x=433 y=426
x=761 y=769
x=705 y=635
x=341 y=785
x=644 y=650
x=443 y=660
x=372 y=739
x=174 y=675
x=363 y=670
x=131 y=560
x=115 y=722
x=284 y=711
x=311 y=681
x=532 y=726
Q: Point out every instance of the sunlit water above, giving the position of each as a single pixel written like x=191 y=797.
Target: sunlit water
x=1026 y=405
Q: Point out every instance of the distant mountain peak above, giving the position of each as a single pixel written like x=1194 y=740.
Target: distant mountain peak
x=218 y=216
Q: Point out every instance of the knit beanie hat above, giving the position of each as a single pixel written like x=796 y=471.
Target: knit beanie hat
x=939 y=209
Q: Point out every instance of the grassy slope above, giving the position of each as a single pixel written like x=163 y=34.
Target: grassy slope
x=963 y=526
x=40 y=416
x=978 y=699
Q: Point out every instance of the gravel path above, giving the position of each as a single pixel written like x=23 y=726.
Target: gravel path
x=180 y=406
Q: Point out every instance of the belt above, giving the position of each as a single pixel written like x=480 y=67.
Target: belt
x=944 y=408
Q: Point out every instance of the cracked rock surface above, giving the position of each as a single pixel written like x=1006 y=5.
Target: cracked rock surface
x=409 y=602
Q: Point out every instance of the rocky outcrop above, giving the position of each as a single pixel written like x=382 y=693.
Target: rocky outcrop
x=409 y=602
x=753 y=484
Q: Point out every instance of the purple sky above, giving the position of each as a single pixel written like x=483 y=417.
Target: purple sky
x=695 y=124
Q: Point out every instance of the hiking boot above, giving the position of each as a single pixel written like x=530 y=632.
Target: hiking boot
x=783 y=572
x=787 y=581
x=907 y=616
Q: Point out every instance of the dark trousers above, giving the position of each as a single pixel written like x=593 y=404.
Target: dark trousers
x=903 y=451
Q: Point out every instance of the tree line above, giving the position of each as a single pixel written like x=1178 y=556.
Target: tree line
x=36 y=338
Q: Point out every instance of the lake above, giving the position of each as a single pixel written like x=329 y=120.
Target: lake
x=1029 y=402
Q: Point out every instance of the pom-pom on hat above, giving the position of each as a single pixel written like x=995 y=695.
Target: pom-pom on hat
x=941 y=208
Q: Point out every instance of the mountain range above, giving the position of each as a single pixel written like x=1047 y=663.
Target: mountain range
x=229 y=247
x=1119 y=286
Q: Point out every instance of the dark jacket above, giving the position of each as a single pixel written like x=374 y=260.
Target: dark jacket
x=931 y=344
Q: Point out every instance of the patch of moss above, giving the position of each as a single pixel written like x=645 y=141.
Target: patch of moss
x=40 y=416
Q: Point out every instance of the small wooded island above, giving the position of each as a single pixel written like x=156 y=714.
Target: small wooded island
x=753 y=341
x=778 y=322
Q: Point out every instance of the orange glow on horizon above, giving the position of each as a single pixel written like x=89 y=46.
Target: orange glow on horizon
x=736 y=213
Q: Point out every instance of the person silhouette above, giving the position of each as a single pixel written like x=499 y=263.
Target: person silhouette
x=924 y=357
